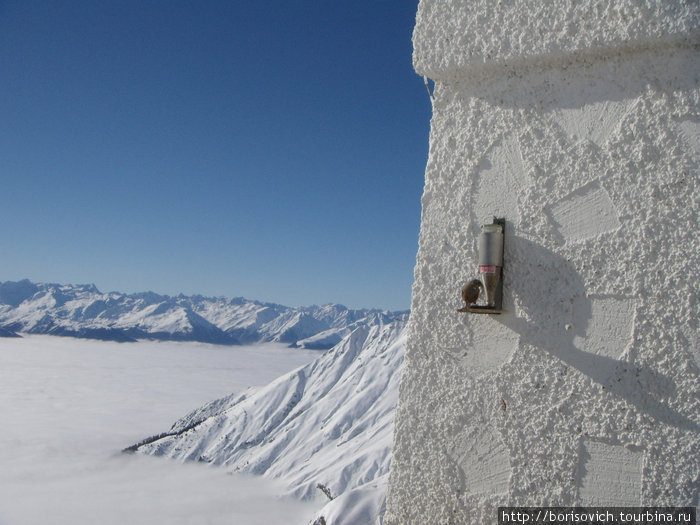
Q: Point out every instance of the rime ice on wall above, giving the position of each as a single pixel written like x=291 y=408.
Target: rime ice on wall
x=577 y=122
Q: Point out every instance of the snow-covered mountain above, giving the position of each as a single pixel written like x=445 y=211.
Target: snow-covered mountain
x=324 y=430
x=84 y=311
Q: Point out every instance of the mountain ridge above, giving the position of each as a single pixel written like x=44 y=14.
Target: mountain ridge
x=84 y=311
x=324 y=430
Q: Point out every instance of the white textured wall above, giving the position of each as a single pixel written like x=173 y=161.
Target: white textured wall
x=587 y=390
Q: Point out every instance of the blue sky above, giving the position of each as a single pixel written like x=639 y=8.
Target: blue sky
x=268 y=149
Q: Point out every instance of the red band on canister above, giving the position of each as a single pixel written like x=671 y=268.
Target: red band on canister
x=488 y=269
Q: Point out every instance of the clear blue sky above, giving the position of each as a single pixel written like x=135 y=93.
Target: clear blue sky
x=268 y=149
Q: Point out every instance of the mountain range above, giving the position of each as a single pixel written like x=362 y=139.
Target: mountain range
x=323 y=430
x=85 y=311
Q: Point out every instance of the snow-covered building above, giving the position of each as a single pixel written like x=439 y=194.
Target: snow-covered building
x=578 y=122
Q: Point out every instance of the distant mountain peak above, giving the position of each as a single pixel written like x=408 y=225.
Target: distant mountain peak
x=83 y=311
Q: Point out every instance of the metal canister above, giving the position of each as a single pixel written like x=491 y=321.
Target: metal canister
x=491 y=259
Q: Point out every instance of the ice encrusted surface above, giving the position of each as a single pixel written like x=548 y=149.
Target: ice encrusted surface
x=579 y=130
x=452 y=37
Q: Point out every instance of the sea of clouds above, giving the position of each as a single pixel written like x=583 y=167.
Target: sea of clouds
x=69 y=406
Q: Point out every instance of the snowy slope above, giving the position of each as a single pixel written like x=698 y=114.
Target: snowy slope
x=84 y=311
x=329 y=423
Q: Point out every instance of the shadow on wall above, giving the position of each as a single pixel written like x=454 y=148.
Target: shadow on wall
x=564 y=87
x=555 y=317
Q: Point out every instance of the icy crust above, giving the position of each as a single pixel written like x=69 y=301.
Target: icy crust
x=328 y=423
x=456 y=36
x=84 y=311
x=588 y=388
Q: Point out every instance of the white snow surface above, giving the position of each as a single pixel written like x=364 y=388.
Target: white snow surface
x=83 y=311
x=329 y=423
x=363 y=505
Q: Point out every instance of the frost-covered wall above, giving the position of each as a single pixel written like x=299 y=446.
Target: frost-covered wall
x=577 y=121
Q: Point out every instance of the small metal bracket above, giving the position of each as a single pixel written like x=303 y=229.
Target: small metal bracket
x=491 y=248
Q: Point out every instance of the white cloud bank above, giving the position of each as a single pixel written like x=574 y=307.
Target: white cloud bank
x=68 y=406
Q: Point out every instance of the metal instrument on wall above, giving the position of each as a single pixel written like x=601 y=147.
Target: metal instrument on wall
x=490 y=271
